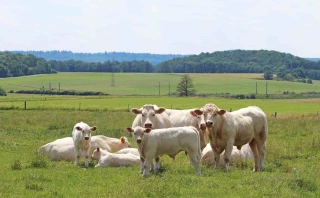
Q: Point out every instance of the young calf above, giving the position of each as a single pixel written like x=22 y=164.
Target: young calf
x=106 y=159
x=81 y=136
x=170 y=141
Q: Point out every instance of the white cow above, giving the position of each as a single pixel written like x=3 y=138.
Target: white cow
x=106 y=159
x=63 y=149
x=133 y=151
x=228 y=129
x=81 y=136
x=170 y=141
x=207 y=156
x=190 y=117
x=151 y=116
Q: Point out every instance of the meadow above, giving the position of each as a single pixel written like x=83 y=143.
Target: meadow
x=292 y=157
x=291 y=166
x=155 y=84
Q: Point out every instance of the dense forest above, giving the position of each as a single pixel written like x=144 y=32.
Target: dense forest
x=243 y=61
x=154 y=59
x=12 y=65
x=285 y=66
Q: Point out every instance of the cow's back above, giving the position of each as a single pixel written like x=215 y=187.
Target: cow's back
x=172 y=140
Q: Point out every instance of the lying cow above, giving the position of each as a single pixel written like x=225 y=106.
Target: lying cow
x=81 y=136
x=237 y=128
x=63 y=149
x=133 y=151
x=190 y=117
x=106 y=159
x=170 y=141
x=151 y=116
x=207 y=156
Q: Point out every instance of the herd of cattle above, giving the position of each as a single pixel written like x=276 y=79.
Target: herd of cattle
x=204 y=134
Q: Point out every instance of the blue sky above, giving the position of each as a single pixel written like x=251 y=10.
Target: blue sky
x=161 y=26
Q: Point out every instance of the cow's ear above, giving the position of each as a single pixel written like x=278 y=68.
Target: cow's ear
x=93 y=128
x=196 y=112
x=147 y=130
x=129 y=129
x=221 y=111
x=123 y=140
x=160 y=110
x=78 y=128
x=136 y=111
x=98 y=149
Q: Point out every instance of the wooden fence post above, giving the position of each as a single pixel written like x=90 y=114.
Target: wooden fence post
x=25 y=105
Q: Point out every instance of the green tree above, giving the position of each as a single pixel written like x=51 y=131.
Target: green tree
x=185 y=87
x=268 y=75
x=2 y=92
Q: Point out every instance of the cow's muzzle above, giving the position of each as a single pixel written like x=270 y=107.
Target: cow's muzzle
x=203 y=126
x=209 y=123
x=86 y=138
x=148 y=125
x=139 y=141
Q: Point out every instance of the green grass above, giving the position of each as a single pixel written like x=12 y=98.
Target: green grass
x=155 y=84
x=126 y=103
x=291 y=165
x=292 y=156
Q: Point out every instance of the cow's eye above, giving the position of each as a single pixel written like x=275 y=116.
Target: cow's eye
x=142 y=115
x=153 y=114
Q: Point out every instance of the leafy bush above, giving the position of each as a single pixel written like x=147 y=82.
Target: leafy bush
x=2 y=92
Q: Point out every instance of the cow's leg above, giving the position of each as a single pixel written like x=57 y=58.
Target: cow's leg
x=141 y=165
x=86 y=164
x=261 y=147
x=253 y=146
x=77 y=156
x=216 y=156
x=227 y=154
x=195 y=161
x=157 y=164
x=146 y=169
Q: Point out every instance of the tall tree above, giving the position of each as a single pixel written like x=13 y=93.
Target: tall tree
x=185 y=87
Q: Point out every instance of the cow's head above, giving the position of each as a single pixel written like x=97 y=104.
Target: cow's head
x=124 y=143
x=148 y=113
x=86 y=131
x=211 y=113
x=138 y=132
x=96 y=155
x=198 y=114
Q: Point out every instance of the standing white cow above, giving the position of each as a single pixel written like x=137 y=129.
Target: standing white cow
x=170 y=141
x=190 y=117
x=81 y=136
x=151 y=116
x=228 y=129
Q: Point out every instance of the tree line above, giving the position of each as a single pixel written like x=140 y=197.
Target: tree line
x=283 y=65
x=243 y=61
x=64 y=55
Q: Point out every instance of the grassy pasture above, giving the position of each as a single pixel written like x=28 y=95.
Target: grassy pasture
x=292 y=157
x=153 y=83
x=96 y=103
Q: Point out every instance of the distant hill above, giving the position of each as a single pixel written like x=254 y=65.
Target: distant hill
x=313 y=59
x=154 y=59
x=242 y=61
